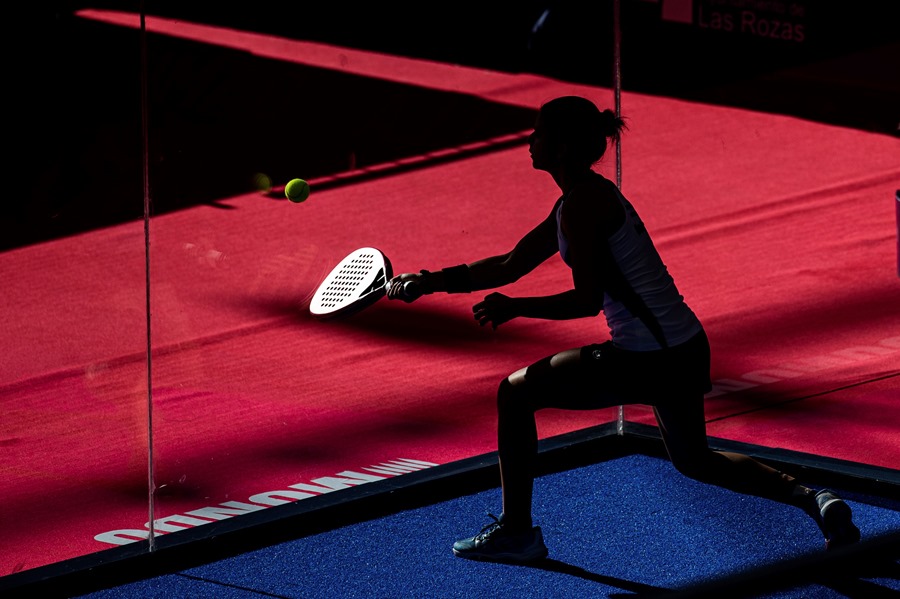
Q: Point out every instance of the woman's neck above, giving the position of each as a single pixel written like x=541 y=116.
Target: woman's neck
x=567 y=179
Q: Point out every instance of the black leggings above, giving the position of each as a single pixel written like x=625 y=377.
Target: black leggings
x=673 y=381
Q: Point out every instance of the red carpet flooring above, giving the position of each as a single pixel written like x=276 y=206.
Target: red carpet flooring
x=780 y=233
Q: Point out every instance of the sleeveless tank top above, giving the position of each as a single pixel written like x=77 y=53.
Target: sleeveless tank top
x=644 y=270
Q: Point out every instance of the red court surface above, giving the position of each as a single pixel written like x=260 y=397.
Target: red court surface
x=780 y=232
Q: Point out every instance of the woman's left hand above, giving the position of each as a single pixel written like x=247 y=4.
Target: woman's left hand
x=495 y=309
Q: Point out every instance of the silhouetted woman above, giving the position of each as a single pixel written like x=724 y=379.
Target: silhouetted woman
x=658 y=353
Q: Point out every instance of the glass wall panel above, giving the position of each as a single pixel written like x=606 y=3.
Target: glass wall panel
x=410 y=147
x=74 y=372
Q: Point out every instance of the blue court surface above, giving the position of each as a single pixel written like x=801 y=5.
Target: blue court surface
x=628 y=526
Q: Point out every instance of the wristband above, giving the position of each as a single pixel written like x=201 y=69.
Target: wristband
x=425 y=282
x=457 y=279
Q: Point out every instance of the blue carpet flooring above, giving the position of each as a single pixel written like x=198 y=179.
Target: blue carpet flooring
x=631 y=526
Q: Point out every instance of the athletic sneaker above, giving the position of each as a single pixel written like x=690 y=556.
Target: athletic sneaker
x=835 y=519
x=497 y=544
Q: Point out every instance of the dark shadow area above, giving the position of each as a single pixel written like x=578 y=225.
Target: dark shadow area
x=216 y=119
x=844 y=571
x=552 y=565
x=817 y=59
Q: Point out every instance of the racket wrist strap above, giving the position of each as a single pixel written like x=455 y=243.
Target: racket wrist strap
x=457 y=279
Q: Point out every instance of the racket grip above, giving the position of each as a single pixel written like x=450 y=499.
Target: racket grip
x=410 y=291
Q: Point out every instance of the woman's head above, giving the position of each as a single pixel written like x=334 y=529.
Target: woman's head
x=577 y=129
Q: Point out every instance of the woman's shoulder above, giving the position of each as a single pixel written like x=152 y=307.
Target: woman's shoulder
x=595 y=199
x=595 y=192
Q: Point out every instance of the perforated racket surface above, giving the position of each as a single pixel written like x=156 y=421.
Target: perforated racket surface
x=358 y=281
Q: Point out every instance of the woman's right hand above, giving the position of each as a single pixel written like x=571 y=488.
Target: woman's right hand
x=407 y=287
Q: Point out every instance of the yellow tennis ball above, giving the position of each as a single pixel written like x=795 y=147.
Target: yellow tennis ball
x=297 y=190
x=262 y=182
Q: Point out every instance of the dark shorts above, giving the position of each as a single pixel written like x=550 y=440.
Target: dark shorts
x=603 y=375
x=655 y=375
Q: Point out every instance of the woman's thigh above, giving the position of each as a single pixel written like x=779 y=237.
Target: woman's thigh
x=602 y=375
x=575 y=379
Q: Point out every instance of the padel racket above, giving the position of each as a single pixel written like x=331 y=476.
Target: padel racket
x=357 y=282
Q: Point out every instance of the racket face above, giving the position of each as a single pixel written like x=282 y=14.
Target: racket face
x=358 y=281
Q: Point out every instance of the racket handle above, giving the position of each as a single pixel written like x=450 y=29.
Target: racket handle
x=410 y=291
